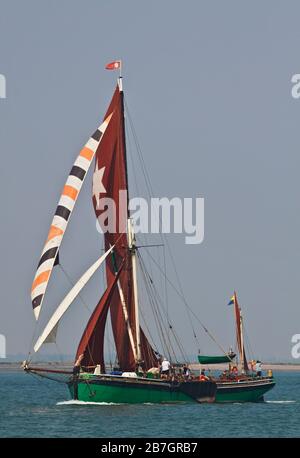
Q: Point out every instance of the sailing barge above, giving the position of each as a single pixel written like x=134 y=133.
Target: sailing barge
x=243 y=385
x=136 y=355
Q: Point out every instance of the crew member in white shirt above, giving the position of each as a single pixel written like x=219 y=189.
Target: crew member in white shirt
x=165 y=367
x=258 y=368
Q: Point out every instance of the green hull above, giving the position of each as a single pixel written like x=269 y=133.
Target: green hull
x=248 y=391
x=137 y=391
x=215 y=359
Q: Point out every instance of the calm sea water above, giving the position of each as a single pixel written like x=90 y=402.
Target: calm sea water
x=30 y=407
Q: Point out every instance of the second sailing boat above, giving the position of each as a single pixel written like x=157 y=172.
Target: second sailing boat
x=235 y=385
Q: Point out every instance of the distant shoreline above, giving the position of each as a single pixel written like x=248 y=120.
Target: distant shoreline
x=289 y=367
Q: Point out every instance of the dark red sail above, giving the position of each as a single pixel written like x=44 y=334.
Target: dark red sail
x=110 y=199
x=92 y=340
x=239 y=332
x=148 y=354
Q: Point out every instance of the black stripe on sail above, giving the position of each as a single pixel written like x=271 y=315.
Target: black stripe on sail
x=37 y=300
x=78 y=172
x=62 y=211
x=97 y=135
x=56 y=262
x=49 y=254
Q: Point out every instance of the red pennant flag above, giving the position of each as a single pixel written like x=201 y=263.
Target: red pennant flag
x=113 y=65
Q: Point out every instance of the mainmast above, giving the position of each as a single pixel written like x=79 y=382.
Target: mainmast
x=240 y=335
x=131 y=240
x=120 y=84
x=242 y=355
x=132 y=249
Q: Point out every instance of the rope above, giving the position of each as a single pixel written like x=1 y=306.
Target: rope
x=192 y=312
x=155 y=310
x=72 y=283
x=169 y=325
x=150 y=192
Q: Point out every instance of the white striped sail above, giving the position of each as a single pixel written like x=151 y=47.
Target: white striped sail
x=62 y=215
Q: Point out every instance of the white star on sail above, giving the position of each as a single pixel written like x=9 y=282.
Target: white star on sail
x=98 y=187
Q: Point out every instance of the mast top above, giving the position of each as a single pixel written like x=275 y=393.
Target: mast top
x=120 y=83
x=116 y=65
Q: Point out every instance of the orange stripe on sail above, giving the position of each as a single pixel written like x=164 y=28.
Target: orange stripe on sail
x=70 y=192
x=44 y=276
x=54 y=232
x=87 y=153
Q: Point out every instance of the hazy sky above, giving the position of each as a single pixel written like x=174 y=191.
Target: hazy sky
x=209 y=88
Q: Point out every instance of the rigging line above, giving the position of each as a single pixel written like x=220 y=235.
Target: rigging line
x=158 y=322
x=248 y=342
x=160 y=280
x=191 y=310
x=29 y=356
x=142 y=164
x=183 y=354
x=152 y=299
x=152 y=340
x=150 y=191
x=82 y=301
x=151 y=283
x=87 y=382
x=107 y=337
x=73 y=284
x=143 y=315
x=40 y=378
x=180 y=346
x=80 y=297
x=169 y=326
x=90 y=350
x=130 y=149
x=107 y=332
x=165 y=286
x=148 y=330
x=135 y=174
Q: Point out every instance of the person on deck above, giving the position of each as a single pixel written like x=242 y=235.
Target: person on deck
x=258 y=368
x=233 y=372
x=77 y=365
x=76 y=372
x=186 y=372
x=203 y=377
x=165 y=367
x=224 y=374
